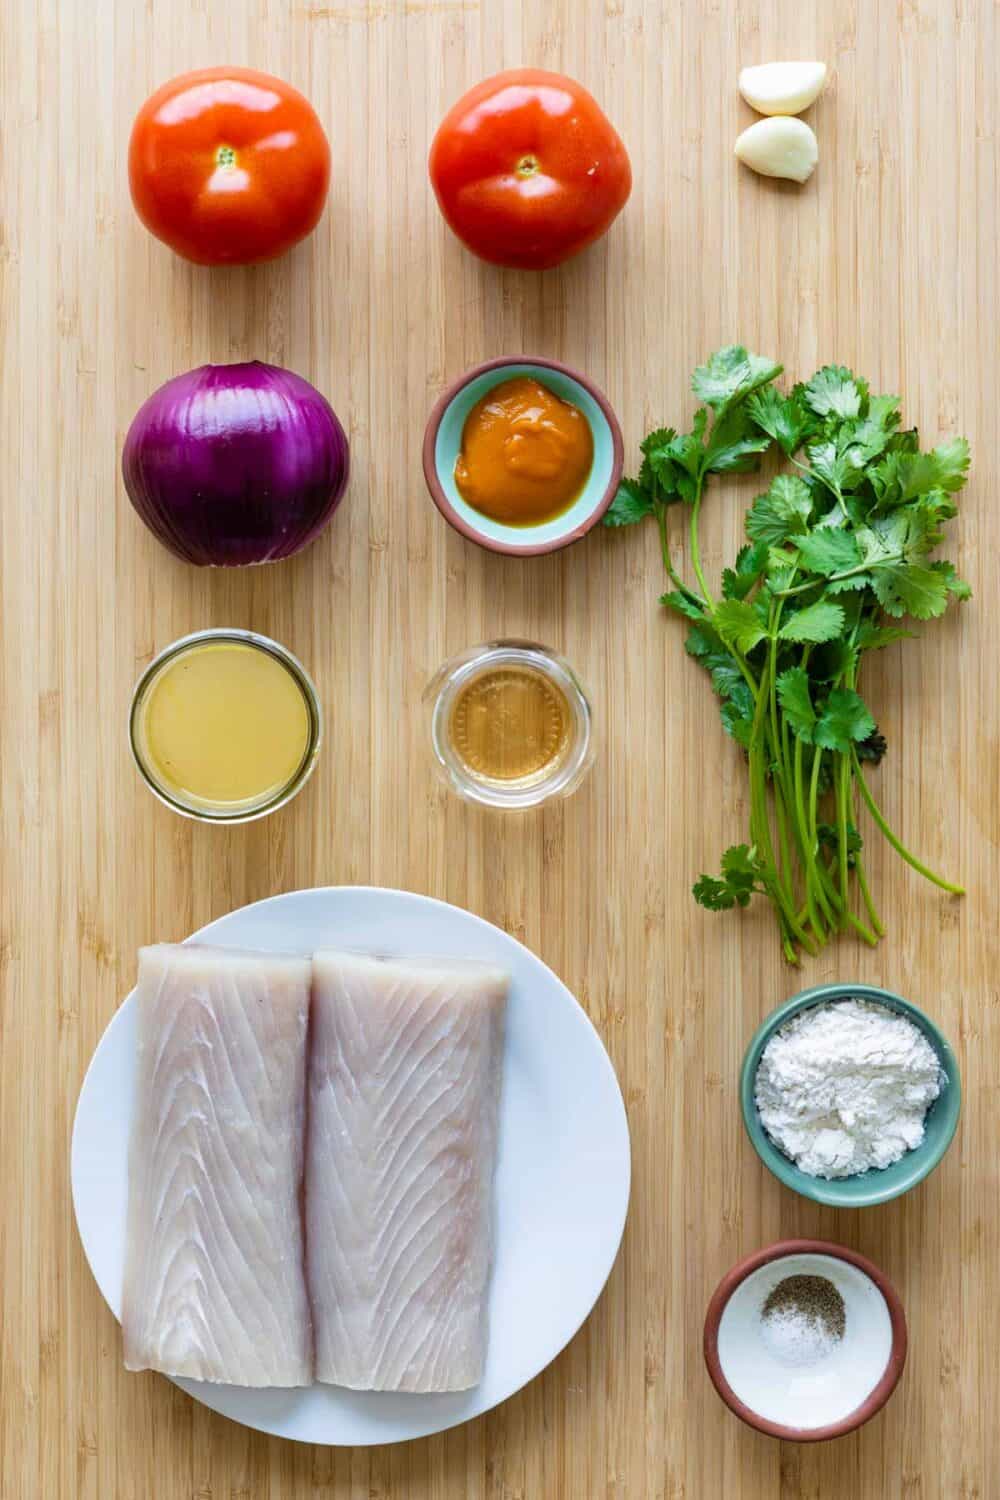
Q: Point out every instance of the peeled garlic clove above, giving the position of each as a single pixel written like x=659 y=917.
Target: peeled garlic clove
x=782 y=88
x=779 y=147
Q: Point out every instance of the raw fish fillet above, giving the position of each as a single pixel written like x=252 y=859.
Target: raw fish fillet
x=215 y=1265
x=404 y=1086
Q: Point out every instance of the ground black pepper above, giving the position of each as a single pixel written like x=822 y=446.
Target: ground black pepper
x=810 y=1297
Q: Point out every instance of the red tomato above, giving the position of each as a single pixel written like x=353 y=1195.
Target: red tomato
x=228 y=166
x=528 y=170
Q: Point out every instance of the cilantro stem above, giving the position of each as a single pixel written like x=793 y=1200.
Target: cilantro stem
x=668 y=562
x=900 y=848
x=826 y=893
x=788 y=944
x=859 y=866
x=761 y=824
x=842 y=772
x=785 y=866
x=808 y=846
x=891 y=560
x=792 y=780
x=851 y=678
x=814 y=795
x=695 y=546
x=865 y=933
x=778 y=768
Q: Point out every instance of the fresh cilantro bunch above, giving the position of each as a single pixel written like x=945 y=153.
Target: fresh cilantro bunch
x=840 y=549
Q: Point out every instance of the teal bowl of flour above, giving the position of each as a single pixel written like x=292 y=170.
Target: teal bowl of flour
x=876 y=1185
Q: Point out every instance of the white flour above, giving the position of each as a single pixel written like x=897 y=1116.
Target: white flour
x=845 y=1087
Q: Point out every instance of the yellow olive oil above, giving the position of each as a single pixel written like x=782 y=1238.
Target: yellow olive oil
x=223 y=725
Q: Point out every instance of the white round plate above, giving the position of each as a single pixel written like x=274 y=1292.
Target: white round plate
x=562 y=1180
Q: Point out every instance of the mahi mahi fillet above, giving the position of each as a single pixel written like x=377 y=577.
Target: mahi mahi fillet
x=215 y=1266
x=404 y=1085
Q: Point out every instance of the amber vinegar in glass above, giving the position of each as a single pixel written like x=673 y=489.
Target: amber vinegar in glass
x=510 y=725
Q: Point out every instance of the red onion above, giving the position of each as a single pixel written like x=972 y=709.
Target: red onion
x=233 y=464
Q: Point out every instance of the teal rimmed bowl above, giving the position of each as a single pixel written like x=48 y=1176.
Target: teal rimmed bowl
x=443 y=442
x=868 y=1187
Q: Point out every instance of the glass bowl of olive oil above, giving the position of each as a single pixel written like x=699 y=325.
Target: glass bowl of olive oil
x=225 y=726
x=510 y=725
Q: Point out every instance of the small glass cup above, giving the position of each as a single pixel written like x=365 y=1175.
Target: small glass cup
x=244 y=811
x=560 y=775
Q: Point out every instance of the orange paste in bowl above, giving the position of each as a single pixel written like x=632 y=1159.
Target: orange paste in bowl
x=526 y=454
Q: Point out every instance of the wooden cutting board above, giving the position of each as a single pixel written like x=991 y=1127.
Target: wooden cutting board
x=886 y=261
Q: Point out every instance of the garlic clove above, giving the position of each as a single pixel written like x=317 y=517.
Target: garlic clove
x=782 y=88
x=779 y=147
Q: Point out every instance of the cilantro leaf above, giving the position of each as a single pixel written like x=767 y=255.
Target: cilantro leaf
x=831 y=661
x=884 y=478
x=845 y=719
x=737 y=723
x=750 y=564
x=957 y=587
x=739 y=625
x=883 y=541
x=817 y=622
x=933 y=510
x=687 y=451
x=727 y=679
x=751 y=560
x=830 y=839
x=720 y=379
x=683 y=604
x=873 y=748
x=944 y=468
x=873 y=637
x=632 y=503
x=828 y=551
x=730 y=373
x=655 y=449
x=785 y=419
x=734 y=444
x=657 y=442
x=706 y=646
x=796 y=702
x=911 y=589
x=870 y=436
x=833 y=392
x=702 y=640
x=735 y=585
x=834 y=466
x=884 y=412
x=742 y=874
x=715 y=894
x=782 y=512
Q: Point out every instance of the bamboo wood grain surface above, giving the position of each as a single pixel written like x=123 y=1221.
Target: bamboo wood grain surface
x=887 y=261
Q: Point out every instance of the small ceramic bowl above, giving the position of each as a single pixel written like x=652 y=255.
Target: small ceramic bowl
x=443 y=441
x=872 y=1302
x=557 y=778
x=868 y=1187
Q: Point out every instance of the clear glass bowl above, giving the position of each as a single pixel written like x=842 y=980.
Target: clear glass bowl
x=559 y=776
x=244 y=811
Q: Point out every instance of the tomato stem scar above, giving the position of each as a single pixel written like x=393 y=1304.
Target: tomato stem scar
x=225 y=157
x=528 y=166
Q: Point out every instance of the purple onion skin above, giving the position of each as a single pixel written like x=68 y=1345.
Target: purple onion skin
x=235 y=464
